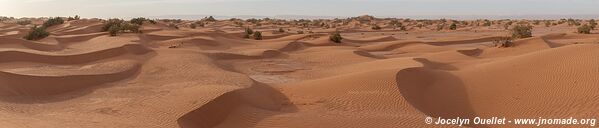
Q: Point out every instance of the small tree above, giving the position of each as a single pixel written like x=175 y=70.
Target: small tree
x=336 y=37
x=258 y=35
x=521 y=31
x=453 y=26
x=36 y=33
x=585 y=29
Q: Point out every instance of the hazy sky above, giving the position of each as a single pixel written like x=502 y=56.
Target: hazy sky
x=134 y=8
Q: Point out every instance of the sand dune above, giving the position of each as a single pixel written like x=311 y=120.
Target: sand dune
x=213 y=77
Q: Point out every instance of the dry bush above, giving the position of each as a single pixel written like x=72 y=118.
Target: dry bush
x=585 y=29
x=521 y=31
x=36 y=33
x=503 y=42
x=336 y=37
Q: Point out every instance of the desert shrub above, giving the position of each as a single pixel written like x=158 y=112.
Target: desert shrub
x=73 y=18
x=24 y=22
x=114 y=30
x=503 y=42
x=592 y=23
x=281 y=30
x=111 y=22
x=152 y=21
x=258 y=35
x=376 y=27
x=129 y=27
x=249 y=31
x=336 y=37
x=138 y=21
x=192 y=26
x=300 y=32
x=487 y=23
x=209 y=19
x=453 y=26
x=547 y=23
x=584 y=29
x=52 y=22
x=36 y=33
x=440 y=27
x=522 y=31
x=114 y=26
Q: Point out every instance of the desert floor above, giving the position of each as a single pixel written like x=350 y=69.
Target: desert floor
x=212 y=77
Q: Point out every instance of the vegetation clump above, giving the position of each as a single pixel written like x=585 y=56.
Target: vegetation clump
x=115 y=26
x=36 y=33
x=453 y=26
x=585 y=29
x=258 y=35
x=24 y=22
x=521 y=31
x=52 y=22
x=281 y=30
x=336 y=37
x=73 y=18
x=138 y=21
x=503 y=42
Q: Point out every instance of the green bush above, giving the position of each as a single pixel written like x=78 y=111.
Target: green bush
x=129 y=27
x=258 y=35
x=114 y=26
x=114 y=30
x=138 y=21
x=36 y=33
x=111 y=22
x=453 y=26
x=585 y=29
x=336 y=37
x=521 y=31
x=53 y=21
